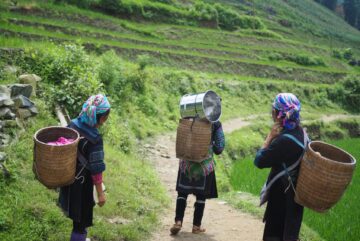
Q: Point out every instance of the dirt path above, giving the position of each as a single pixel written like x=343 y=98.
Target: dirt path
x=238 y=123
x=222 y=222
x=333 y=117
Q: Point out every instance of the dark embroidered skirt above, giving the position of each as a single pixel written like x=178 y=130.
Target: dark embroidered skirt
x=77 y=200
x=204 y=185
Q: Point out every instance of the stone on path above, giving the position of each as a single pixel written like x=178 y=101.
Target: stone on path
x=119 y=220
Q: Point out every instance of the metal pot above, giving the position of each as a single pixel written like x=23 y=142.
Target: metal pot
x=204 y=105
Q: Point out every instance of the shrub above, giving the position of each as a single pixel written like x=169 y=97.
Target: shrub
x=203 y=11
x=320 y=99
x=298 y=58
x=267 y=34
x=79 y=3
x=352 y=92
x=337 y=53
x=275 y=57
x=157 y=11
x=348 y=54
x=307 y=60
x=121 y=138
x=110 y=72
x=231 y=20
x=143 y=60
x=111 y=6
x=68 y=72
x=347 y=93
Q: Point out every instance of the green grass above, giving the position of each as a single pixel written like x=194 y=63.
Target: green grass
x=311 y=22
x=126 y=45
x=212 y=34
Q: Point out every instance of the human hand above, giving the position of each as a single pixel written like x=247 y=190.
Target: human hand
x=102 y=199
x=275 y=132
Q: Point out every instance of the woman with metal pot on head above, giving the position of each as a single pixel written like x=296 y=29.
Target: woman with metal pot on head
x=198 y=177
x=282 y=152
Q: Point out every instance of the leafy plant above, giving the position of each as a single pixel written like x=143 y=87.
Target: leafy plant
x=69 y=74
x=347 y=92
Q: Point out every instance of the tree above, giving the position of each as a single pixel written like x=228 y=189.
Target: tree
x=330 y=4
x=350 y=11
x=357 y=6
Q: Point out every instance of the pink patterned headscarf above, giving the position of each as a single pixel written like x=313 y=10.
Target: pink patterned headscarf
x=289 y=108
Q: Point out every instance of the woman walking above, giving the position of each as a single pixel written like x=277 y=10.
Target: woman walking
x=77 y=199
x=198 y=179
x=282 y=151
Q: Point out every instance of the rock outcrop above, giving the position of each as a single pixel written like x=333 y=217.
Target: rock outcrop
x=16 y=106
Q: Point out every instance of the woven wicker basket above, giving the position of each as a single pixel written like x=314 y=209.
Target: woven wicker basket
x=325 y=172
x=54 y=166
x=193 y=139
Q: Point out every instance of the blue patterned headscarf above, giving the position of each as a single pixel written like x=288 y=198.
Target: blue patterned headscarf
x=289 y=108
x=96 y=104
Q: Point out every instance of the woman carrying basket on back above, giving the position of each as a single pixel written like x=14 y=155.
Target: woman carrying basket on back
x=77 y=199
x=282 y=151
x=198 y=179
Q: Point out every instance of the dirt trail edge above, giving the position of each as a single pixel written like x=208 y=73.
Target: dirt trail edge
x=222 y=222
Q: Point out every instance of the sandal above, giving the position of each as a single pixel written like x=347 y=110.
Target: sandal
x=175 y=229
x=197 y=230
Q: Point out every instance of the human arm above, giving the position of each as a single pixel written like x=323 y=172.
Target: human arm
x=218 y=138
x=97 y=181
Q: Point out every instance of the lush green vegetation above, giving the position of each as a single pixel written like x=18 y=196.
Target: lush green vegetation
x=199 y=13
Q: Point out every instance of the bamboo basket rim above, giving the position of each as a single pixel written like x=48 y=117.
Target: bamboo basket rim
x=56 y=127
x=338 y=149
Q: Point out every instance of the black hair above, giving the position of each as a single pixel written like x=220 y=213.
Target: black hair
x=98 y=116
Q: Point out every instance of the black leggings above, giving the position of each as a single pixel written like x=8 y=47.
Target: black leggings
x=198 y=212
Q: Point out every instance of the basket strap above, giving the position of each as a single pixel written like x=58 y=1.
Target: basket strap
x=295 y=140
x=84 y=162
x=293 y=166
x=287 y=170
x=282 y=173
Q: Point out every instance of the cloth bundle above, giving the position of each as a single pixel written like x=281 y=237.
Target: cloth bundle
x=61 y=142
